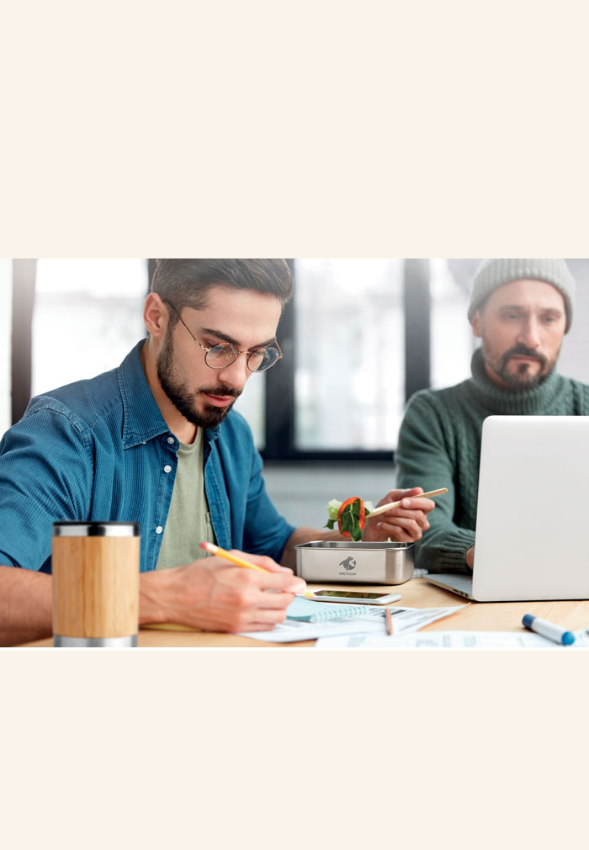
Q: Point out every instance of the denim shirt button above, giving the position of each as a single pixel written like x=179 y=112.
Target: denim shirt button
x=171 y=441
x=167 y=469
x=159 y=529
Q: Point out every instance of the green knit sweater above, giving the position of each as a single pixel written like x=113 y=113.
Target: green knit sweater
x=440 y=446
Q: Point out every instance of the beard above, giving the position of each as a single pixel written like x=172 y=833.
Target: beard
x=184 y=399
x=521 y=379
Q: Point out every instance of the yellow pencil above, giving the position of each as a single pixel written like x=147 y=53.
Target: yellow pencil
x=389 y=622
x=247 y=565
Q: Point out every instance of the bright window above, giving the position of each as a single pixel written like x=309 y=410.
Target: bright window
x=452 y=340
x=349 y=368
x=88 y=316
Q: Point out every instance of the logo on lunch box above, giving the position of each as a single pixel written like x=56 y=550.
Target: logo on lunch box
x=348 y=564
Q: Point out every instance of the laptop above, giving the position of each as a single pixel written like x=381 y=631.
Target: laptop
x=532 y=529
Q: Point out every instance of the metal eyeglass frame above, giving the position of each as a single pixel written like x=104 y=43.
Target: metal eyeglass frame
x=229 y=345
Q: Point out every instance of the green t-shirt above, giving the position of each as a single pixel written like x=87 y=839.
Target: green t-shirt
x=189 y=520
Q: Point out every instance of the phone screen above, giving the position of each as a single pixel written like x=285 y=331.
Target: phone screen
x=350 y=594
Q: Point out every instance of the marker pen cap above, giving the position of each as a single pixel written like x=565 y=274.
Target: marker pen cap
x=568 y=638
x=528 y=620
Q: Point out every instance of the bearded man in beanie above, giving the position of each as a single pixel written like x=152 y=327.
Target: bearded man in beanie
x=521 y=310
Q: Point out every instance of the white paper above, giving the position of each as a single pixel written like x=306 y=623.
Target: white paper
x=418 y=618
x=291 y=630
x=452 y=640
x=373 y=621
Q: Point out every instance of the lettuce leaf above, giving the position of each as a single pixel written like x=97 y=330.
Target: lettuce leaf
x=333 y=510
x=350 y=520
x=350 y=517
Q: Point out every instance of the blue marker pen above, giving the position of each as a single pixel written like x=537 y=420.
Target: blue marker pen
x=548 y=630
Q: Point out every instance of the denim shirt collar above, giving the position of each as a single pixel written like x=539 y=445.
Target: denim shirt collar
x=142 y=419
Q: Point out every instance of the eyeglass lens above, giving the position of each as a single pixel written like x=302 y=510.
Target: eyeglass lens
x=225 y=354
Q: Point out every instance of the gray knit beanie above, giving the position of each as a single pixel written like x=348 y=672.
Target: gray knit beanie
x=494 y=273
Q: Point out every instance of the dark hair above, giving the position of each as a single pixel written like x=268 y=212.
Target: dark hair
x=185 y=283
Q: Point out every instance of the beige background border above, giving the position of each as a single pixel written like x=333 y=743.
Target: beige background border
x=291 y=749
x=275 y=129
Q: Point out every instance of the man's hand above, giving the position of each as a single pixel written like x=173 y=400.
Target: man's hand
x=470 y=557
x=213 y=595
x=404 y=524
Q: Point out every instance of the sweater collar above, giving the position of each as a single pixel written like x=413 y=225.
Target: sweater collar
x=505 y=401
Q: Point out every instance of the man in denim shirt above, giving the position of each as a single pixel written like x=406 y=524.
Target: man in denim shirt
x=156 y=442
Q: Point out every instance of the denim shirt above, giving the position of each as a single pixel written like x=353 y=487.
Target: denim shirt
x=101 y=450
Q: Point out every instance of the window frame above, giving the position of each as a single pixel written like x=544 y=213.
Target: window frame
x=24 y=273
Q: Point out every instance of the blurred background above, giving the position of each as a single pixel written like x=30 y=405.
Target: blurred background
x=359 y=338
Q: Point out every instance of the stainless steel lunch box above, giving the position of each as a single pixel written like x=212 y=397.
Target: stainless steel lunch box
x=355 y=563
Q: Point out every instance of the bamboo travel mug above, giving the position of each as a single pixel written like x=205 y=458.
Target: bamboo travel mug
x=95 y=583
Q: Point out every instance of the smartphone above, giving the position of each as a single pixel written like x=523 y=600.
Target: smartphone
x=362 y=598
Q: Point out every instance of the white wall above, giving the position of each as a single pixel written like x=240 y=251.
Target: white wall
x=301 y=491
x=5 y=339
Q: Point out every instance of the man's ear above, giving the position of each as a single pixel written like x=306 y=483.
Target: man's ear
x=477 y=324
x=155 y=316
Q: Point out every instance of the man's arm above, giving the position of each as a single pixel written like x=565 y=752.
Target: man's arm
x=209 y=594
x=423 y=458
x=25 y=606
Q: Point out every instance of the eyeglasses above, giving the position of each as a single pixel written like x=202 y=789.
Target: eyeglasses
x=225 y=353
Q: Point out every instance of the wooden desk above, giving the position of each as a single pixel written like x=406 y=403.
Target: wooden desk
x=418 y=593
